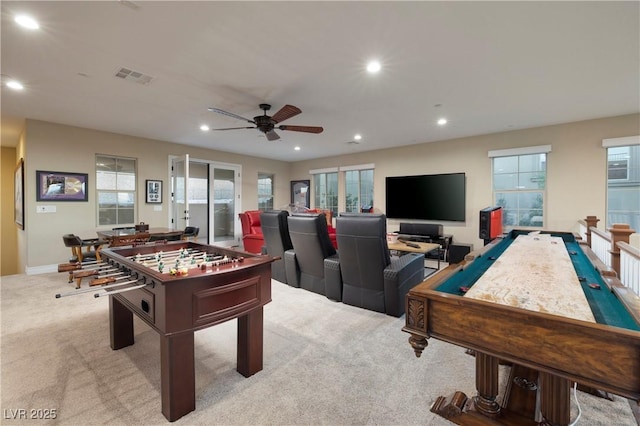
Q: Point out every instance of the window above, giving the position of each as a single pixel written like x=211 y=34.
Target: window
x=623 y=182
x=358 y=190
x=198 y=190
x=618 y=163
x=265 y=191
x=116 y=190
x=325 y=187
x=519 y=187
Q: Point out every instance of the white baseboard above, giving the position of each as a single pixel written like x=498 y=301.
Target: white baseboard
x=44 y=269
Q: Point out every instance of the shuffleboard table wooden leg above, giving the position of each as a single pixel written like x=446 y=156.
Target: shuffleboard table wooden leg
x=487 y=385
x=555 y=399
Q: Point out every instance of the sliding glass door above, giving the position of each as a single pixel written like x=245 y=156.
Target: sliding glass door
x=205 y=195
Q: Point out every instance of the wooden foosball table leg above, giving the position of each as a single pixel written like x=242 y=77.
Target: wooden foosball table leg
x=178 y=375
x=250 y=342
x=120 y=324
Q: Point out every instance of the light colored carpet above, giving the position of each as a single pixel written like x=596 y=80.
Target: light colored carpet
x=325 y=363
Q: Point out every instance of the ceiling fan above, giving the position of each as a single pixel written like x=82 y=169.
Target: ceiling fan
x=267 y=125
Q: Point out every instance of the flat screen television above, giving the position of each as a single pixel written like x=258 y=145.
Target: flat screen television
x=426 y=197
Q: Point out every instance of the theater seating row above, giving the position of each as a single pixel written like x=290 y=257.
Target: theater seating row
x=361 y=273
x=252 y=234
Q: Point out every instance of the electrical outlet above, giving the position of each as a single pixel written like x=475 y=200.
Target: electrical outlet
x=45 y=209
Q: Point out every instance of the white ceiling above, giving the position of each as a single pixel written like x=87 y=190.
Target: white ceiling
x=490 y=66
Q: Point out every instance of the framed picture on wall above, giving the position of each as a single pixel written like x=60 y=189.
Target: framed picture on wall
x=154 y=191
x=300 y=193
x=61 y=186
x=19 y=194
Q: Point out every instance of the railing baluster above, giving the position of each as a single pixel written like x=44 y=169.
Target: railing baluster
x=630 y=267
x=601 y=244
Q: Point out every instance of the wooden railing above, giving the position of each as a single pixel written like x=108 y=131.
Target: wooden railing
x=613 y=249
x=582 y=230
x=629 y=266
x=601 y=245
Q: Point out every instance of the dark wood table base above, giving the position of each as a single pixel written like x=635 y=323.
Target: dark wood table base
x=177 y=365
x=528 y=393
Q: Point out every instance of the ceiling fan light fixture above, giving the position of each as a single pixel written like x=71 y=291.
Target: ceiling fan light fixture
x=297 y=148
x=357 y=137
x=267 y=125
x=204 y=128
x=442 y=121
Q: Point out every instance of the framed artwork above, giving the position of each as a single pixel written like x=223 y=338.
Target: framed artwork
x=300 y=193
x=19 y=194
x=154 y=191
x=61 y=186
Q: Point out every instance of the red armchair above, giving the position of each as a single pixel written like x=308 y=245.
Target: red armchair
x=332 y=231
x=252 y=238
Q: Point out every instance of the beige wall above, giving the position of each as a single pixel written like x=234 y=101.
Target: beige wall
x=576 y=176
x=576 y=169
x=57 y=147
x=9 y=234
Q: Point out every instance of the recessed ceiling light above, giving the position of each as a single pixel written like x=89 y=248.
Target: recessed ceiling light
x=297 y=148
x=373 y=67
x=15 y=85
x=442 y=121
x=204 y=128
x=27 y=22
x=357 y=137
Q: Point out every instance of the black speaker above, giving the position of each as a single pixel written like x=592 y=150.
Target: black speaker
x=457 y=252
x=485 y=224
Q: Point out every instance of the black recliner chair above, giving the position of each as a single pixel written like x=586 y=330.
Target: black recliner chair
x=275 y=230
x=371 y=279
x=313 y=259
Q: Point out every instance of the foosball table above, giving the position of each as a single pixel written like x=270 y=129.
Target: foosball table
x=177 y=289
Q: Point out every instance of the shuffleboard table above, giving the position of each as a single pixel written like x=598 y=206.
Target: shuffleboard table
x=527 y=312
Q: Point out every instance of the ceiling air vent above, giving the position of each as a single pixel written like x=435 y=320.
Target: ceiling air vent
x=135 y=76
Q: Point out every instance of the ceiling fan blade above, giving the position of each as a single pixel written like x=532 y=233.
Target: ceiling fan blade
x=272 y=136
x=307 y=129
x=230 y=114
x=235 y=128
x=285 y=113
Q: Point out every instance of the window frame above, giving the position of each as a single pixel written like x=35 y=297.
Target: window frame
x=625 y=160
x=626 y=188
x=262 y=176
x=133 y=193
x=320 y=198
x=359 y=205
x=541 y=190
